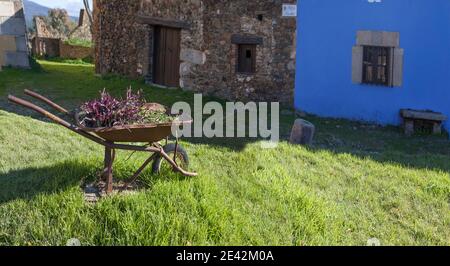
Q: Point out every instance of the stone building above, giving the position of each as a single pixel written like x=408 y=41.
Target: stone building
x=13 y=42
x=83 y=30
x=234 y=49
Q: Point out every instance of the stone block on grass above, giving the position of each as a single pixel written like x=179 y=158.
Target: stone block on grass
x=302 y=132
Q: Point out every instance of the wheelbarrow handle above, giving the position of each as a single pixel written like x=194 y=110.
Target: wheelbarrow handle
x=40 y=110
x=57 y=120
x=46 y=100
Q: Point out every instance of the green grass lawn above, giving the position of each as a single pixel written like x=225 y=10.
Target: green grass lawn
x=358 y=181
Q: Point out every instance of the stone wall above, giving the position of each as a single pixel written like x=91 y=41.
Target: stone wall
x=208 y=57
x=121 y=44
x=74 y=52
x=45 y=47
x=275 y=62
x=51 y=47
x=13 y=42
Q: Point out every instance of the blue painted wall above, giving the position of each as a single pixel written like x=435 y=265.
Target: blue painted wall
x=326 y=34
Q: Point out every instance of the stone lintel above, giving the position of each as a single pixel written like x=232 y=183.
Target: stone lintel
x=246 y=39
x=378 y=38
x=170 y=23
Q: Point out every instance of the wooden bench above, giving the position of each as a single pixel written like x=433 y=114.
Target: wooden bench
x=416 y=119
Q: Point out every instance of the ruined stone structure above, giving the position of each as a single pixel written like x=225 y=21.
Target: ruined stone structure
x=43 y=30
x=83 y=30
x=234 y=49
x=46 y=40
x=13 y=42
x=49 y=42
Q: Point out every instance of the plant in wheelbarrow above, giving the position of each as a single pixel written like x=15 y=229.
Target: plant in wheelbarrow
x=107 y=111
x=115 y=123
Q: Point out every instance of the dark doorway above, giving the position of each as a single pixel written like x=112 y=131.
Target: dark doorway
x=167 y=56
x=247 y=58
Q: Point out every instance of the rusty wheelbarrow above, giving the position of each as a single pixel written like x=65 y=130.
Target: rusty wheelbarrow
x=111 y=138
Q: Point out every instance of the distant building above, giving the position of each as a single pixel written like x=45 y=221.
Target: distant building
x=237 y=50
x=49 y=42
x=366 y=60
x=83 y=30
x=13 y=41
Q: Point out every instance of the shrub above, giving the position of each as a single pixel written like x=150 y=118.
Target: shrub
x=79 y=42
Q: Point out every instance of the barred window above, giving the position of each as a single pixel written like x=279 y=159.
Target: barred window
x=377 y=65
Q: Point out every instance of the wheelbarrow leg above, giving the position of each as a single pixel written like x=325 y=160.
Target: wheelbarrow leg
x=108 y=171
x=138 y=172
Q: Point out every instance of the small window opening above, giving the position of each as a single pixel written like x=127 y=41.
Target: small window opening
x=246 y=58
x=260 y=17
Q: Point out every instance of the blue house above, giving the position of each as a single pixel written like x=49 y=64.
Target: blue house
x=367 y=59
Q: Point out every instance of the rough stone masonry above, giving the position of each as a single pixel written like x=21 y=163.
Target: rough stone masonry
x=13 y=42
x=218 y=40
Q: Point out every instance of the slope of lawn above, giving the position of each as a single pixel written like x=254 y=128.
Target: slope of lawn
x=357 y=182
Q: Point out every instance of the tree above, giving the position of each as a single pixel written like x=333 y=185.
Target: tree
x=60 y=22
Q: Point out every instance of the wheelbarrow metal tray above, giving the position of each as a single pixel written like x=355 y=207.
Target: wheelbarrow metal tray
x=135 y=133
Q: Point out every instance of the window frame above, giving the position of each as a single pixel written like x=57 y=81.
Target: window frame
x=389 y=39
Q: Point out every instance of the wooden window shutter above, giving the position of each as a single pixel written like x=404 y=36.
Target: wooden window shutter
x=397 y=72
x=247 y=58
x=357 y=64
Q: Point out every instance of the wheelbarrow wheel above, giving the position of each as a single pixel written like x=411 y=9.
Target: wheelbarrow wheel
x=161 y=165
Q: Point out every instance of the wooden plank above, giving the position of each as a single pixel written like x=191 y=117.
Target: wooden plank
x=159 y=55
x=168 y=56
x=170 y=59
x=174 y=58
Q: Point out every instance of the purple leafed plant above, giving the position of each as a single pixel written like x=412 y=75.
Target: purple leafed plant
x=108 y=111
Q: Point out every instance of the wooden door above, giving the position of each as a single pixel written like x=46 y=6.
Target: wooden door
x=167 y=57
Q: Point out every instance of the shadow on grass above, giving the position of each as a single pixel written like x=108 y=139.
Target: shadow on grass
x=28 y=183
x=31 y=182
x=383 y=144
